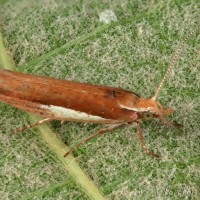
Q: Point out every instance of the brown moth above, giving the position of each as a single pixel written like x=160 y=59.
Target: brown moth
x=65 y=100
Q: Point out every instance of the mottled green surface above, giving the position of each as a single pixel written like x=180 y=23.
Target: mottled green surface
x=65 y=39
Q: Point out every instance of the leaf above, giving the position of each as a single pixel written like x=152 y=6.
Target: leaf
x=65 y=39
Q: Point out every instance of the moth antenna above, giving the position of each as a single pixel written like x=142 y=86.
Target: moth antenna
x=174 y=60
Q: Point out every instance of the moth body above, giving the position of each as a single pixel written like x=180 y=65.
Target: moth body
x=67 y=100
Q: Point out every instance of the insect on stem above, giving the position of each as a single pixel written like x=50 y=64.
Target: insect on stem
x=64 y=100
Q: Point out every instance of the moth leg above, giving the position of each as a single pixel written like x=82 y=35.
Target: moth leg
x=141 y=138
x=32 y=125
x=99 y=132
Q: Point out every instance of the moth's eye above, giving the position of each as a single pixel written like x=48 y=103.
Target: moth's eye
x=147 y=116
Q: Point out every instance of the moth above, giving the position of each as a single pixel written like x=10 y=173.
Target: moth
x=65 y=100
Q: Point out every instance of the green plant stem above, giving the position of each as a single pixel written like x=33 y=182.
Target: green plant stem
x=6 y=61
x=55 y=144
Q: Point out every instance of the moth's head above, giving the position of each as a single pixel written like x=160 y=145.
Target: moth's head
x=150 y=109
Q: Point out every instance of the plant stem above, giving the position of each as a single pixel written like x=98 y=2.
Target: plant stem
x=55 y=144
